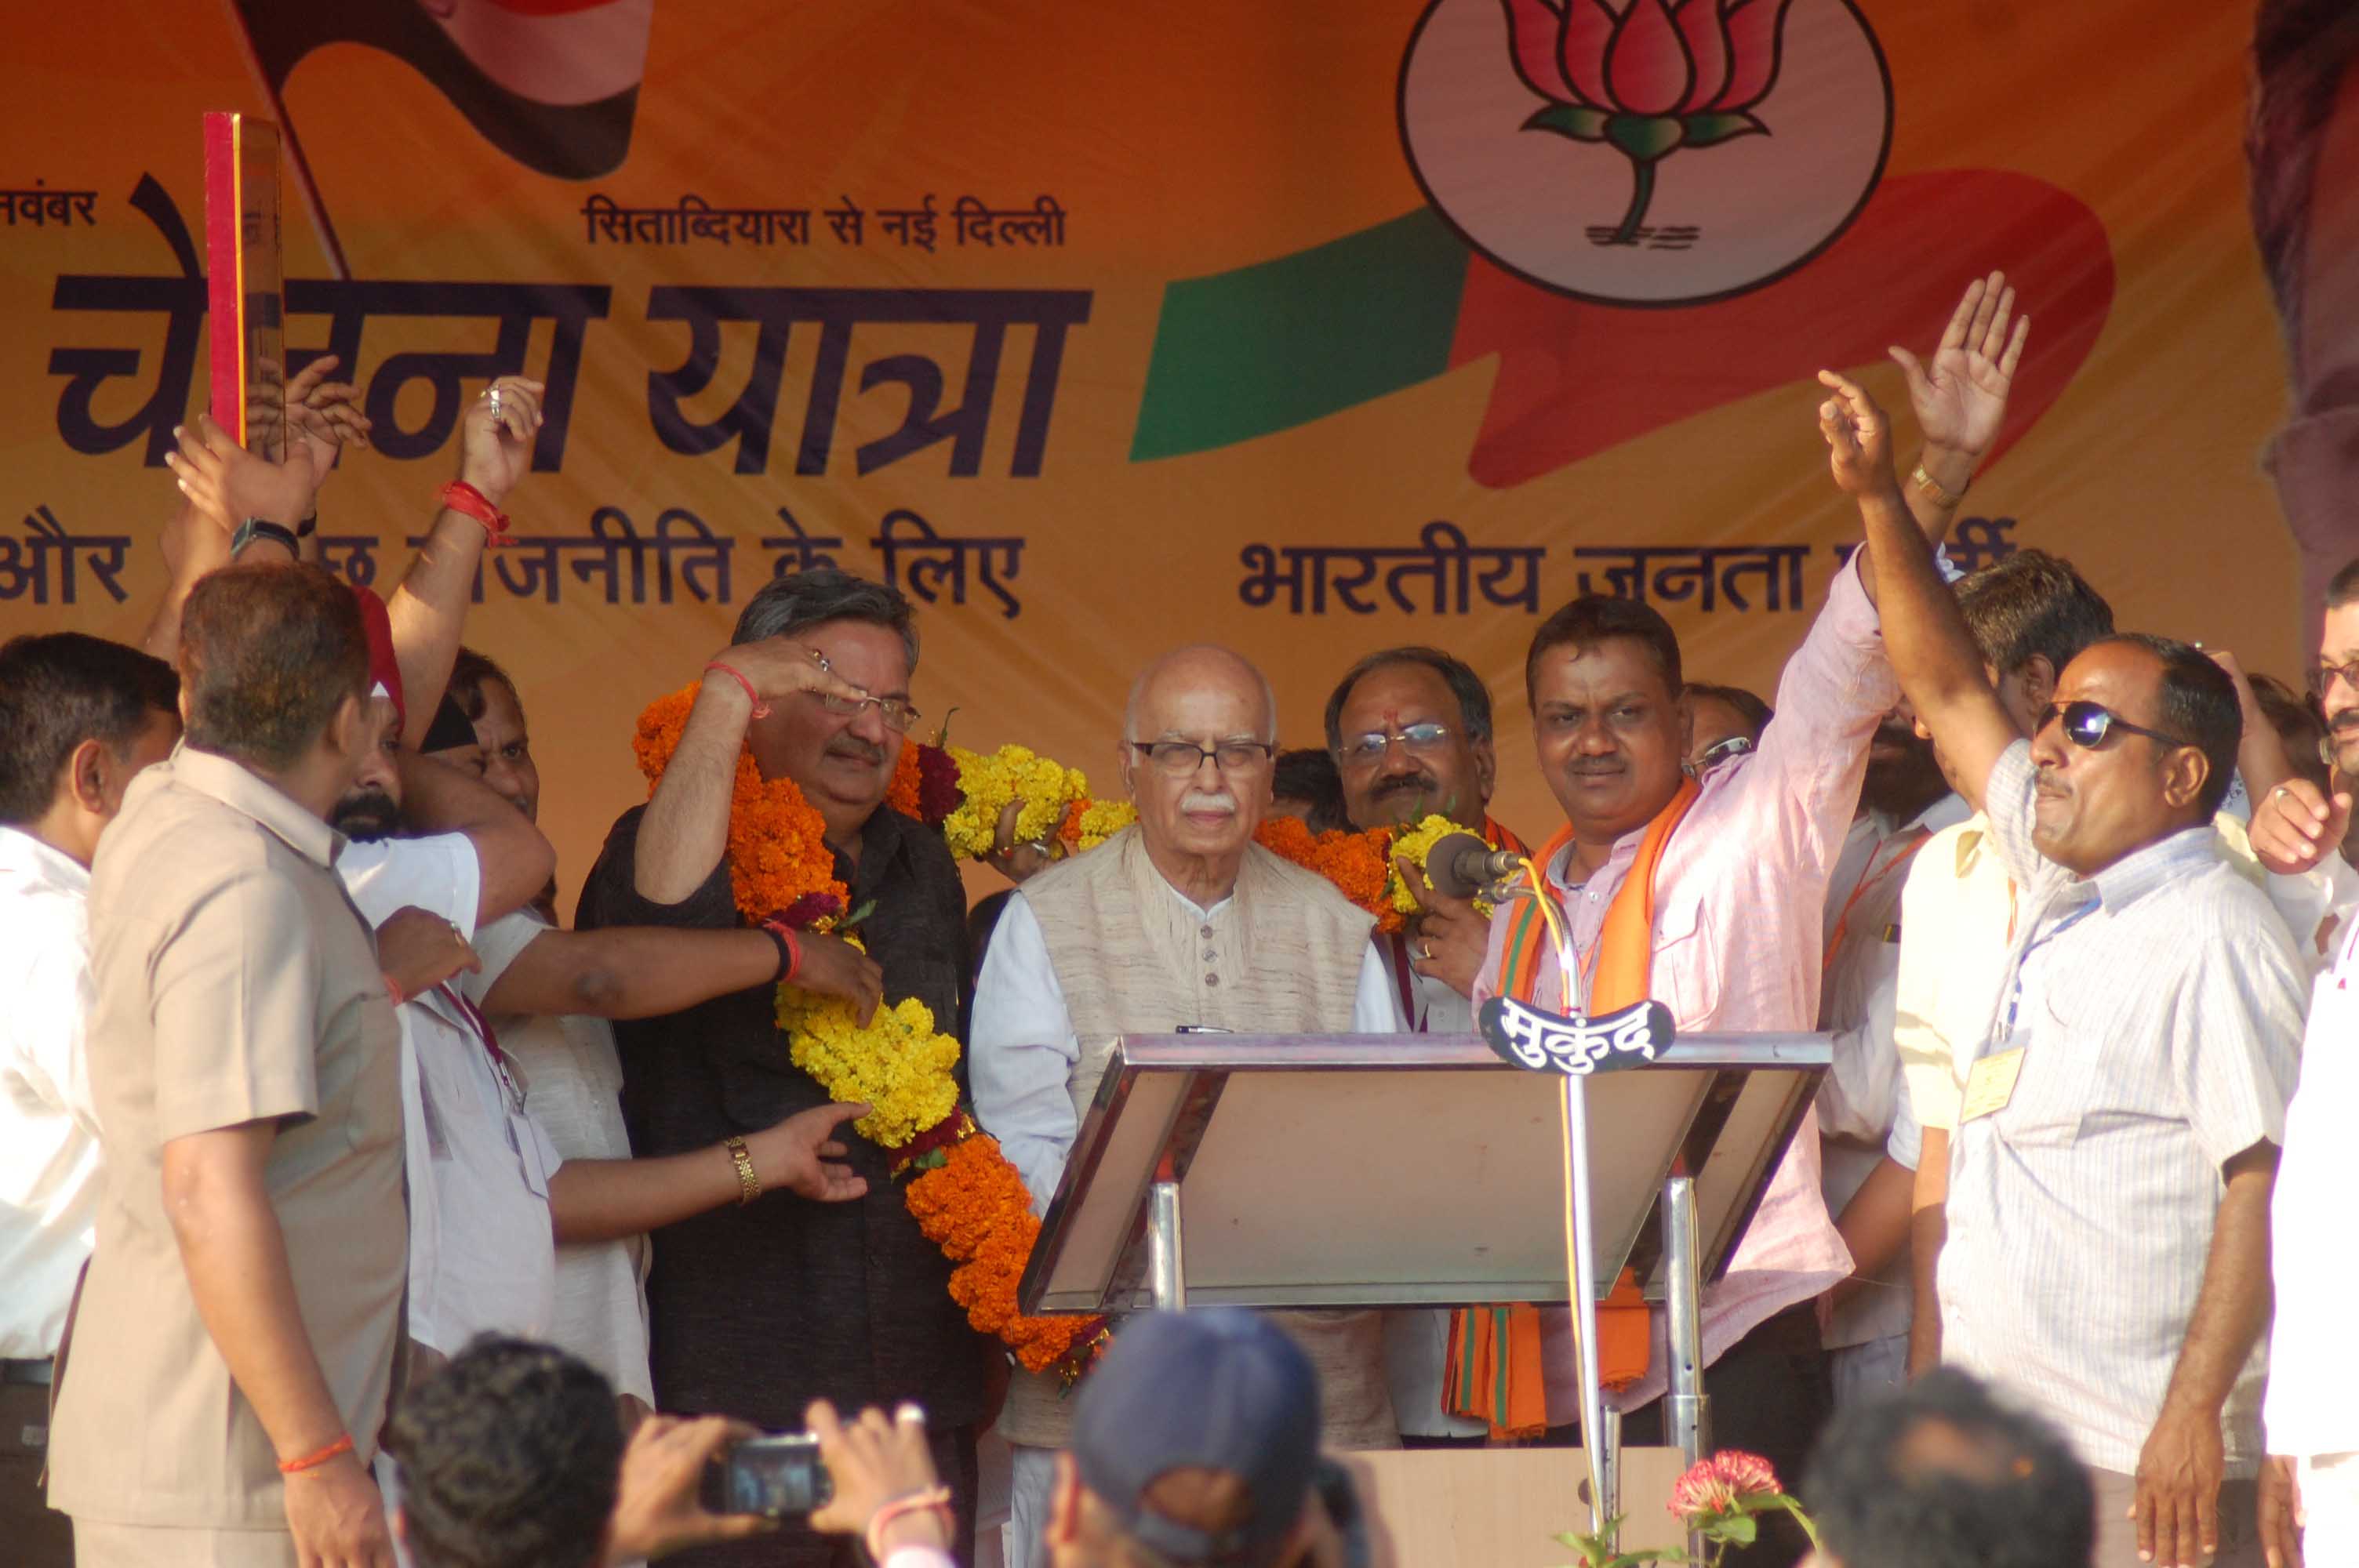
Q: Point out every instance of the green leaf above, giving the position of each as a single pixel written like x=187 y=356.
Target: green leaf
x=1736 y=1530
x=1579 y=121
x=1708 y=130
x=857 y=915
x=1645 y=137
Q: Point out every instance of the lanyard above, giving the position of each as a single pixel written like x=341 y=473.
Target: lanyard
x=1916 y=840
x=2014 y=993
x=490 y=1041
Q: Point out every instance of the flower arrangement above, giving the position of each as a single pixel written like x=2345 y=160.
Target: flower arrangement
x=1011 y=775
x=968 y=1199
x=1719 y=1498
x=780 y=864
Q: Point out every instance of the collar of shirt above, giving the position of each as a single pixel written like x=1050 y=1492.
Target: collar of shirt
x=26 y=863
x=1198 y=910
x=240 y=789
x=1946 y=811
x=2143 y=871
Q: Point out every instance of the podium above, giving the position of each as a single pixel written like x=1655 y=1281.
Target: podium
x=1417 y=1171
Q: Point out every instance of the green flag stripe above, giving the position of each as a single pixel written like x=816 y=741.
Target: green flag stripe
x=1274 y=345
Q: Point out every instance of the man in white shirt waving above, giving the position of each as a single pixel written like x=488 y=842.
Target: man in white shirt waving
x=82 y=717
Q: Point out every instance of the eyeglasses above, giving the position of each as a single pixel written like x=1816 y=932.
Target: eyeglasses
x=2086 y=725
x=2322 y=678
x=1721 y=751
x=897 y=712
x=1179 y=758
x=1419 y=737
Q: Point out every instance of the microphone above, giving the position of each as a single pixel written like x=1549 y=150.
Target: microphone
x=1461 y=865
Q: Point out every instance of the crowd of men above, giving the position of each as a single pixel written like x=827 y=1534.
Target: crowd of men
x=309 y=1087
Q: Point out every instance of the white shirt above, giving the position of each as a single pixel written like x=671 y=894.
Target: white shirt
x=1022 y=1048
x=1860 y=1109
x=483 y=1255
x=2312 y=1404
x=49 y=1134
x=572 y=1089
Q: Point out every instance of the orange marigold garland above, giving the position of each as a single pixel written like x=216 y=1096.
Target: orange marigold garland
x=967 y=1199
x=778 y=858
x=1359 y=864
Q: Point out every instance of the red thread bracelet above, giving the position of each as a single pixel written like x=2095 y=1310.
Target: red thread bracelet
x=784 y=934
x=465 y=499
x=761 y=709
x=313 y=1461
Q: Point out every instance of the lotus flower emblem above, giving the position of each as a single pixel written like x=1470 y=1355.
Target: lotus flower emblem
x=1654 y=78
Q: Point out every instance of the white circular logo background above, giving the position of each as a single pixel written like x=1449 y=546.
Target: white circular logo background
x=1562 y=206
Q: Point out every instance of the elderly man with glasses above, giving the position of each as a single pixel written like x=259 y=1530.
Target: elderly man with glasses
x=759 y=1308
x=1181 y=920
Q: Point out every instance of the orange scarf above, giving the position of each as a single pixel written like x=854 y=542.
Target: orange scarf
x=1494 y=1372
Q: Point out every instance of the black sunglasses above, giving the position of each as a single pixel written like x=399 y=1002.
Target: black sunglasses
x=2086 y=725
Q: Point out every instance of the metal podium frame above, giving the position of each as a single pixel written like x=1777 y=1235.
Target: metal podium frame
x=1111 y=1238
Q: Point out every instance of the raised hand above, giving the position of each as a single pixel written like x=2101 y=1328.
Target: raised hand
x=802 y=1155
x=1447 y=939
x=1859 y=438
x=494 y=453
x=1960 y=399
x=1016 y=862
x=780 y=667
x=229 y=484
x=874 y=1461
x=324 y=416
x=2296 y=825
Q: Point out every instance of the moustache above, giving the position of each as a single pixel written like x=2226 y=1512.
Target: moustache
x=1420 y=782
x=1220 y=801
x=2344 y=722
x=852 y=746
x=366 y=816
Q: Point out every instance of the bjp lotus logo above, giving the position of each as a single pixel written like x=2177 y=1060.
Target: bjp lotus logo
x=1685 y=149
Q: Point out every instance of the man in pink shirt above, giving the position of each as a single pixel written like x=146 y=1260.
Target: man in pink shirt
x=1740 y=887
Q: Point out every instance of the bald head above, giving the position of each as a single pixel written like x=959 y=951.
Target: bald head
x=1198 y=682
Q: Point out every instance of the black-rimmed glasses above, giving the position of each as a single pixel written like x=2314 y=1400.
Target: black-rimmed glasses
x=2086 y=725
x=1180 y=757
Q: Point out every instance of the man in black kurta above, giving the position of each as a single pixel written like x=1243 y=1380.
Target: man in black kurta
x=757 y=1310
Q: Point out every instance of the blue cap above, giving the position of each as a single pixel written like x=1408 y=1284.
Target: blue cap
x=1222 y=1390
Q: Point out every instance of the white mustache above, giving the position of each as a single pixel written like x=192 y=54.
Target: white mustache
x=1203 y=800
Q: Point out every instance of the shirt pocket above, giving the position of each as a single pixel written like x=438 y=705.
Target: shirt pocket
x=2052 y=1094
x=1686 y=973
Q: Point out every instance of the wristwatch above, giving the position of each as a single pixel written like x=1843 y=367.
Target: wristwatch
x=254 y=529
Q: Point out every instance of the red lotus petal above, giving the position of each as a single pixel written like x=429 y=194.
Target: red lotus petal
x=1532 y=29
x=1704 y=30
x=1647 y=67
x=1756 y=29
x=1588 y=27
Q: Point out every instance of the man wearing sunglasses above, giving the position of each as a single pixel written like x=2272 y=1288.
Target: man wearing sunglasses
x=758 y=1309
x=2110 y=1175
x=1182 y=921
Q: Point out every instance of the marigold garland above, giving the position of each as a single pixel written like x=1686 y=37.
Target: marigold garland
x=778 y=858
x=897 y=1064
x=1090 y=823
x=969 y=1200
x=990 y=783
x=1414 y=844
x=1359 y=864
x=974 y=1206
x=925 y=784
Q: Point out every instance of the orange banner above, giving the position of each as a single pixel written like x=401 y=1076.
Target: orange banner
x=1307 y=328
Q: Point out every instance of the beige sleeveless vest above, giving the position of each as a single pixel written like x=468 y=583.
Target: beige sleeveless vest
x=1282 y=957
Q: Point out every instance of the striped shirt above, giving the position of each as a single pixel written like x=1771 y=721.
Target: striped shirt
x=2158 y=1005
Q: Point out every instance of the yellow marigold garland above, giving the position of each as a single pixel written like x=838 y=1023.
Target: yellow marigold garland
x=1012 y=773
x=898 y=1064
x=1415 y=844
x=1090 y=823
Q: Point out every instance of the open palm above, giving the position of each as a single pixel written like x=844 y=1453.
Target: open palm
x=1960 y=398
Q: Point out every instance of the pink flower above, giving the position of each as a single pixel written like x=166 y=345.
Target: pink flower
x=1720 y=1485
x=1748 y=1474
x=1675 y=58
x=1701 y=1490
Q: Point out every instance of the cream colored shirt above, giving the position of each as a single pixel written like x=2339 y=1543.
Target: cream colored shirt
x=236 y=983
